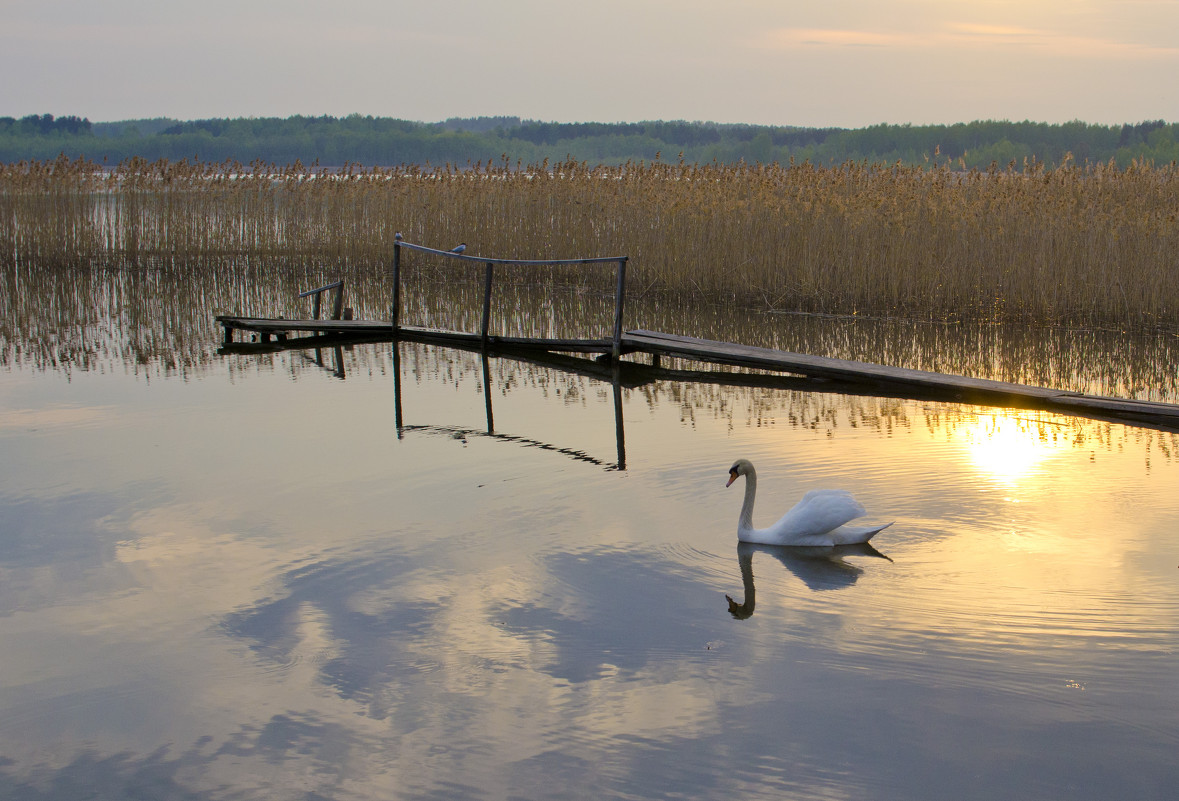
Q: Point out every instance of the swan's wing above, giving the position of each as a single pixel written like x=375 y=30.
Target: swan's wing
x=820 y=511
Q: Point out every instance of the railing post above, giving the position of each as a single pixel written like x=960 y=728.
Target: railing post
x=395 y=312
x=338 y=309
x=619 y=296
x=315 y=306
x=486 y=303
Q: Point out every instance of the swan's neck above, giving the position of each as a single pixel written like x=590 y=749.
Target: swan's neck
x=745 y=521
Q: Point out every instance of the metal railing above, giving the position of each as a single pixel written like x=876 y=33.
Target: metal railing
x=489 y=267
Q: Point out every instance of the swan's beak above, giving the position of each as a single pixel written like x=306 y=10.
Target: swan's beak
x=732 y=478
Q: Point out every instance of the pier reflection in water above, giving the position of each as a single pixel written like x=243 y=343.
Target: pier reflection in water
x=239 y=576
x=488 y=391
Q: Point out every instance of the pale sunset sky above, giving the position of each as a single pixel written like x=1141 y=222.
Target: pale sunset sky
x=845 y=63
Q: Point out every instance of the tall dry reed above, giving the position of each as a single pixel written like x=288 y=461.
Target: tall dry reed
x=1088 y=244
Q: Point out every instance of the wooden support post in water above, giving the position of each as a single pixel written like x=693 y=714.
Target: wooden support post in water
x=487 y=393
x=619 y=432
x=619 y=295
x=395 y=312
x=486 y=303
x=397 y=417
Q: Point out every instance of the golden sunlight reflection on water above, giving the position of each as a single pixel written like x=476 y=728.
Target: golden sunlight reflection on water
x=1012 y=446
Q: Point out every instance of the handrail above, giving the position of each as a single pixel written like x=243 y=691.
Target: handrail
x=619 y=290
x=337 y=307
x=486 y=260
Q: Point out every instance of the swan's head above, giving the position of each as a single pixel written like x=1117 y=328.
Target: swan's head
x=741 y=467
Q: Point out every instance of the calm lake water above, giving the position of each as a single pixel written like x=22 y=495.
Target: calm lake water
x=237 y=577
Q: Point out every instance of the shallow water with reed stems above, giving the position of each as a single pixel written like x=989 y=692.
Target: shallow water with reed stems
x=239 y=576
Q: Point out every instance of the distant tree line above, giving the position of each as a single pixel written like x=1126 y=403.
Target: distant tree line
x=382 y=141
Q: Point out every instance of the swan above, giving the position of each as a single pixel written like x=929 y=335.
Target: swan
x=818 y=519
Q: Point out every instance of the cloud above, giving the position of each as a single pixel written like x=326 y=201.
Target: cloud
x=958 y=35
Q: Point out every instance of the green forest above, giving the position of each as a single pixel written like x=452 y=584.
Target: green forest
x=507 y=141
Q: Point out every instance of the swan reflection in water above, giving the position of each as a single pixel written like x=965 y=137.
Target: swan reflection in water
x=819 y=567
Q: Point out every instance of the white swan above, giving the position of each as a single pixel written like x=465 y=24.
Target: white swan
x=818 y=519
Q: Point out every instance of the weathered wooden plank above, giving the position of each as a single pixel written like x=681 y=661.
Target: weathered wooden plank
x=311 y=341
x=268 y=326
x=821 y=366
x=494 y=342
x=894 y=380
x=1126 y=408
x=271 y=325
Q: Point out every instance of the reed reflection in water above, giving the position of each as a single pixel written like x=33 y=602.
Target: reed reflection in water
x=161 y=317
x=244 y=579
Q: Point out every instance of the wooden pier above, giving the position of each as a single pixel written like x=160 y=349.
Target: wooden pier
x=785 y=369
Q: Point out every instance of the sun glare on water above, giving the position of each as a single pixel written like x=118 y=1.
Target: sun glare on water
x=1010 y=447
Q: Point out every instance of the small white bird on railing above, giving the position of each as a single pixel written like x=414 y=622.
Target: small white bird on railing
x=397 y=236
x=459 y=249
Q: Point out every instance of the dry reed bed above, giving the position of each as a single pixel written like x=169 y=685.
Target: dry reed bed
x=1089 y=245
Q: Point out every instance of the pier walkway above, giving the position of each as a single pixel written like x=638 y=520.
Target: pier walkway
x=785 y=369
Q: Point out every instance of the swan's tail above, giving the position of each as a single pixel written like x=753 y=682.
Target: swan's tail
x=850 y=535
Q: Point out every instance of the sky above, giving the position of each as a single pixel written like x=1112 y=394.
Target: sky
x=844 y=63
